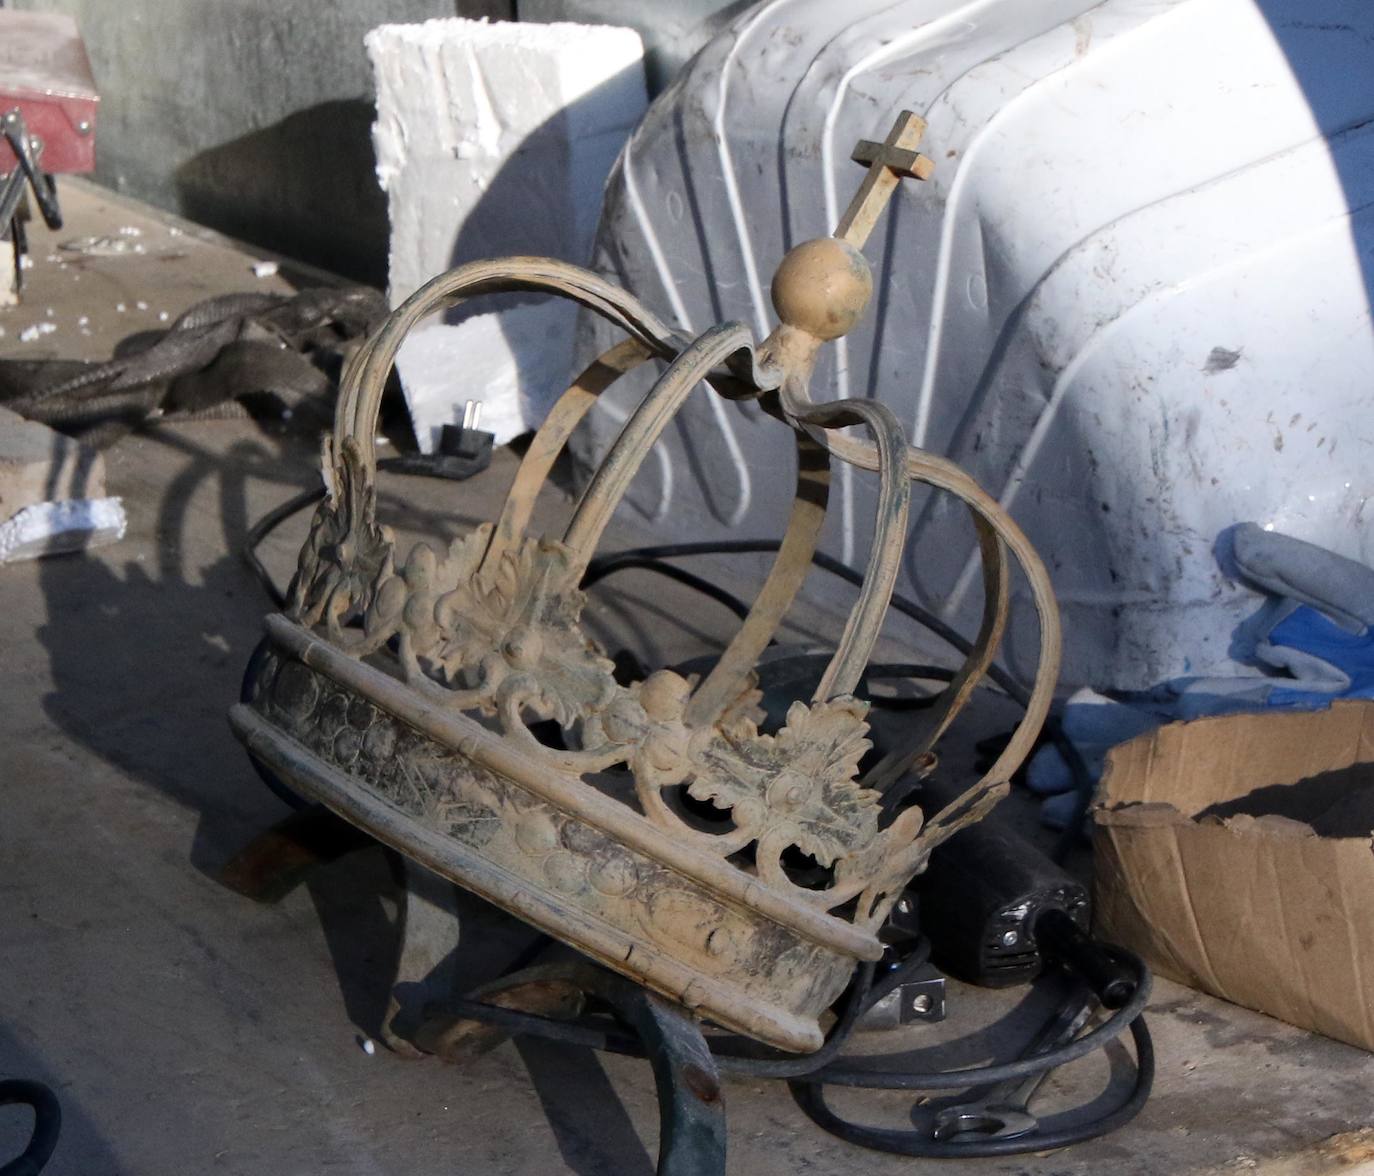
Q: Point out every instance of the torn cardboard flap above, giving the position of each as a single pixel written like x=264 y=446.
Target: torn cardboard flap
x=1209 y=761
x=1266 y=824
x=1234 y=854
x=1145 y=815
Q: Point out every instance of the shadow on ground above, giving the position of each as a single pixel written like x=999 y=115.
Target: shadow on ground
x=147 y=642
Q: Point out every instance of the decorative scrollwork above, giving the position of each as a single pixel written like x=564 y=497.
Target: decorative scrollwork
x=502 y=637
x=347 y=552
x=796 y=788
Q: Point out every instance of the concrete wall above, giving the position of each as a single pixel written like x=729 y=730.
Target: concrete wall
x=251 y=116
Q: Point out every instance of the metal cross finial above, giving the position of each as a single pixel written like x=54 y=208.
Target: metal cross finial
x=888 y=163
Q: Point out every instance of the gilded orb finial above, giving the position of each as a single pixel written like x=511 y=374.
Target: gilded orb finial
x=823 y=286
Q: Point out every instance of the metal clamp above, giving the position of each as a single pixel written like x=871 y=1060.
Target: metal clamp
x=28 y=150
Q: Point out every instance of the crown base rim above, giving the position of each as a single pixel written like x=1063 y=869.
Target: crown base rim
x=728 y=961
x=707 y=996
x=459 y=733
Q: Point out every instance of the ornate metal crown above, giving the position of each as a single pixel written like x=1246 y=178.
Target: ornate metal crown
x=400 y=691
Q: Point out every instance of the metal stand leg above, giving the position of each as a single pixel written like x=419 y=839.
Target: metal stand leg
x=691 y=1112
x=690 y=1105
x=431 y=930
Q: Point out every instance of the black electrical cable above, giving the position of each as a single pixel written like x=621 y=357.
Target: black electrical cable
x=264 y=527
x=864 y=993
x=726 y=1048
x=929 y=1083
x=914 y=670
x=808 y=1074
x=47 y=1124
x=602 y=566
x=911 y=671
x=648 y=563
x=651 y=558
x=818 y=1066
x=809 y=1095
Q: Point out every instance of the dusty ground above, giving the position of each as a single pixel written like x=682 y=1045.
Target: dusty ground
x=188 y=1029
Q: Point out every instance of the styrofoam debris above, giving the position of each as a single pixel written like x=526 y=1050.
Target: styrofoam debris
x=265 y=269
x=104 y=246
x=36 y=331
x=50 y=528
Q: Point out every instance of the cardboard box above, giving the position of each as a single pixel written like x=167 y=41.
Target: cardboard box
x=1224 y=879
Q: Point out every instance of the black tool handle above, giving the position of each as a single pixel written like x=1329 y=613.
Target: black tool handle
x=1062 y=940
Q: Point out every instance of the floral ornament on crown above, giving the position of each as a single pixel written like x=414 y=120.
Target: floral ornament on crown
x=505 y=637
x=795 y=788
x=347 y=551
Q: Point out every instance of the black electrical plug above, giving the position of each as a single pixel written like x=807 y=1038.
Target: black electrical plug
x=463 y=450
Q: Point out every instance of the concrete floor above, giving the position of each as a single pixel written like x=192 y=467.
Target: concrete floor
x=186 y=1028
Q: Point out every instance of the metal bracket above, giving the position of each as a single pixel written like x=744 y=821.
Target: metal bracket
x=28 y=150
x=918 y=1000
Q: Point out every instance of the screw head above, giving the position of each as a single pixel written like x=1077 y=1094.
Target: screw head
x=83 y=127
x=1009 y=938
x=921 y=1003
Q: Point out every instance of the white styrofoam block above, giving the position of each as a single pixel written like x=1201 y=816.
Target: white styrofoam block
x=514 y=362
x=73 y=524
x=494 y=139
